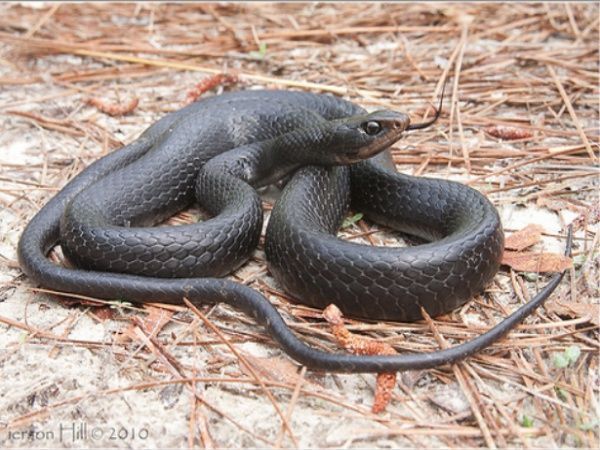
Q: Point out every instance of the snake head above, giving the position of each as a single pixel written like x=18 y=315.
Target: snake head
x=355 y=138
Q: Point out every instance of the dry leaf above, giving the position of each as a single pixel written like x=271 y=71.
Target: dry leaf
x=526 y=237
x=575 y=310
x=590 y=216
x=156 y=319
x=536 y=262
x=272 y=369
x=508 y=133
x=104 y=313
x=556 y=204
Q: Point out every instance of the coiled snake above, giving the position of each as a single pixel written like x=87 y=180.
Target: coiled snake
x=222 y=147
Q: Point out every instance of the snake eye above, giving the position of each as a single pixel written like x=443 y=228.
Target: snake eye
x=371 y=127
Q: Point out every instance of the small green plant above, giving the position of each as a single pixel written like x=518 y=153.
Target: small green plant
x=349 y=221
x=566 y=358
x=587 y=426
x=531 y=276
x=561 y=393
x=262 y=51
x=526 y=421
x=579 y=260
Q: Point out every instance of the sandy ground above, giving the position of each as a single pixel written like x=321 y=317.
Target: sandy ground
x=96 y=375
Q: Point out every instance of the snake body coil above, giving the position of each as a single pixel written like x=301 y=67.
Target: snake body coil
x=218 y=148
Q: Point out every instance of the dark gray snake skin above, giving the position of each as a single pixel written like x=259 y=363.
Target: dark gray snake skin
x=220 y=147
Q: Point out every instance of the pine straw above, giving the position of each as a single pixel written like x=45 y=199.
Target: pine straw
x=530 y=66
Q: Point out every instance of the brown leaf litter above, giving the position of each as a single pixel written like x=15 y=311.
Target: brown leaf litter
x=520 y=124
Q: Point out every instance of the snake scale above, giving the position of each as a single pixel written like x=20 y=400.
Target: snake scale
x=219 y=150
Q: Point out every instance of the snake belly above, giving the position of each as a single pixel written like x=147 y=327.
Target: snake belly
x=101 y=220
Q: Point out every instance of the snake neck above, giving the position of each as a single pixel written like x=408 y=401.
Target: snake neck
x=266 y=162
x=314 y=140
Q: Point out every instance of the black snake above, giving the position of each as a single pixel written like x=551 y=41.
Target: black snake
x=221 y=148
